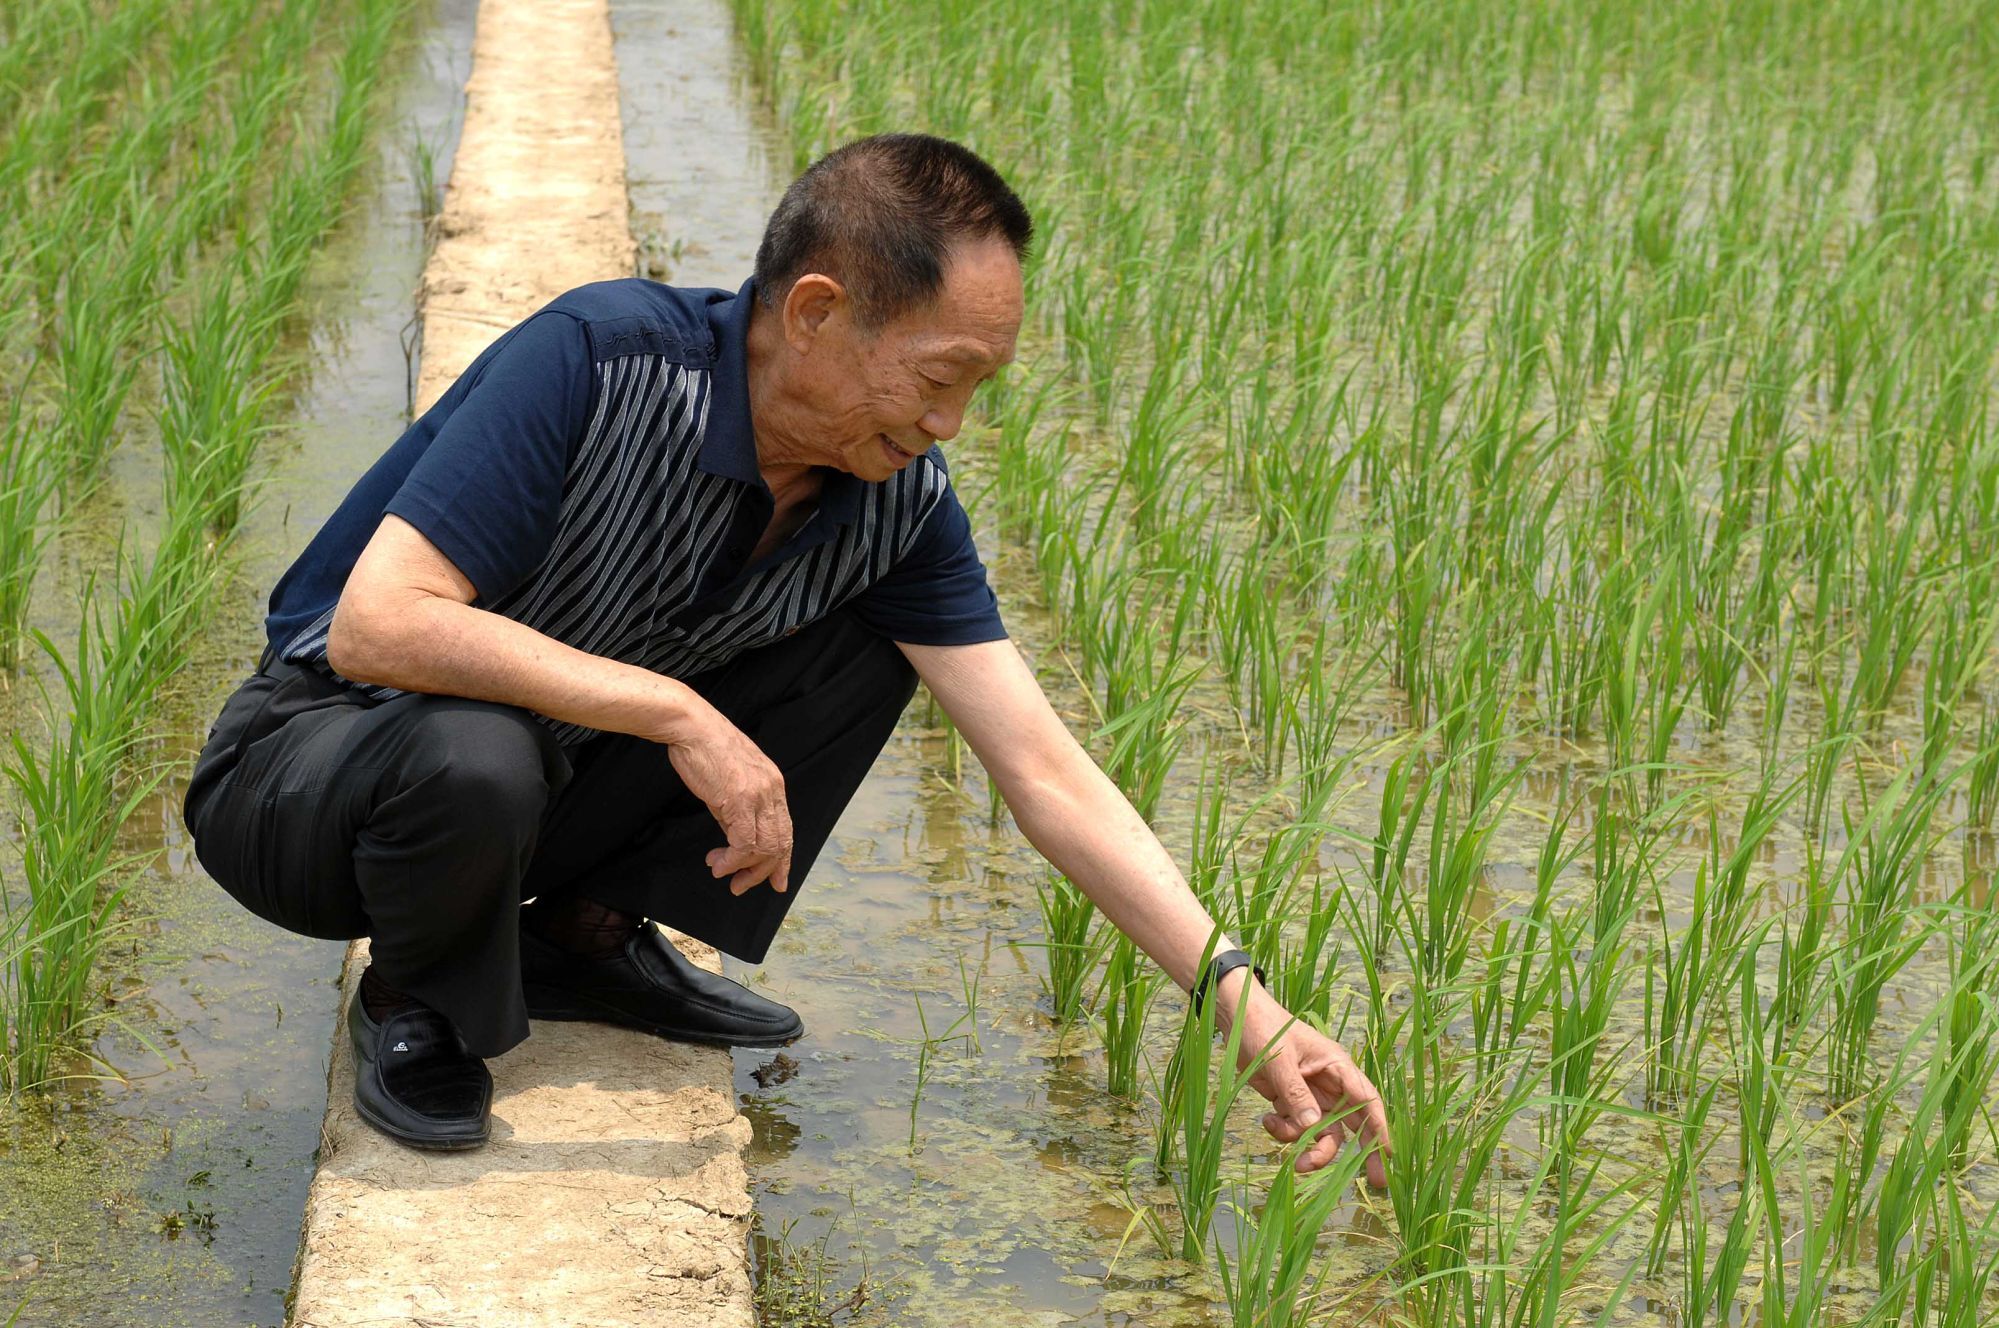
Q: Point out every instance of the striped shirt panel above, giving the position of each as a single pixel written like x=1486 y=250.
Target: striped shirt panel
x=640 y=530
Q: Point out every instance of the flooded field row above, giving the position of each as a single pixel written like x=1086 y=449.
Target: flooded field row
x=162 y=1178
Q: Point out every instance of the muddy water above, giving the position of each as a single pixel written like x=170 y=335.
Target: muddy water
x=173 y=1194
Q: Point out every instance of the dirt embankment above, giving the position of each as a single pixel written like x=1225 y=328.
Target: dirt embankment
x=613 y=1191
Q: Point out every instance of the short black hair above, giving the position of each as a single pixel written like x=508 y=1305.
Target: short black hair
x=879 y=214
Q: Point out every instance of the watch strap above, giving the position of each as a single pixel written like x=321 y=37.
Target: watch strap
x=1228 y=961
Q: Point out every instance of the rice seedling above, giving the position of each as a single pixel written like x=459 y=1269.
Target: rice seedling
x=1304 y=970
x=1565 y=408
x=27 y=479
x=1679 y=993
x=1124 y=995
x=213 y=397
x=1892 y=839
x=1969 y=1036
x=72 y=805
x=421 y=156
x=102 y=257
x=962 y=1029
x=1272 y=1282
x=1202 y=1099
x=1072 y=941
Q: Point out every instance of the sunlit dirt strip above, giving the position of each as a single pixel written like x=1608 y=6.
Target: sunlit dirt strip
x=613 y=1191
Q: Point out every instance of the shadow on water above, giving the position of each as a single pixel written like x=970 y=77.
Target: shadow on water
x=172 y=1193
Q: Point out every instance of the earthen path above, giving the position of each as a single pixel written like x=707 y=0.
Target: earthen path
x=613 y=1191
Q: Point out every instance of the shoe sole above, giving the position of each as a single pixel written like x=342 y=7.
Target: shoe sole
x=564 y=1013
x=418 y=1141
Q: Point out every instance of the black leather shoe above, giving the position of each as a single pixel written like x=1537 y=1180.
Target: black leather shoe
x=651 y=986
x=415 y=1082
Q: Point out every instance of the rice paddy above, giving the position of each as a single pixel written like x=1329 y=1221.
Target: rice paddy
x=149 y=326
x=1508 y=492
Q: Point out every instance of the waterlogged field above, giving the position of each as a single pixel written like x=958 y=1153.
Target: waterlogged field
x=172 y=174
x=1512 y=491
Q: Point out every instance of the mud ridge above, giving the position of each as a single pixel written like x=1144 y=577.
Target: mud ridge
x=613 y=1191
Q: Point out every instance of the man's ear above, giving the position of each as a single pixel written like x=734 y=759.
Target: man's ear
x=815 y=301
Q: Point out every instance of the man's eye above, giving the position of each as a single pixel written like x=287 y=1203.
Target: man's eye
x=937 y=382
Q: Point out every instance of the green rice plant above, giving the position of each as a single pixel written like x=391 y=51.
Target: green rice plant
x=1301 y=978
x=1124 y=995
x=94 y=363
x=27 y=478
x=1581 y=1079
x=1265 y=893
x=1213 y=838
x=1802 y=953
x=72 y=804
x=421 y=156
x=1969 y=1035
x=1892 y=839
x=1969 y=1257
x=1685 y=1143
x=1963 y=638
x=1072 y=940
x=1395 y=834
x=928 y=1044
x=1204 y=1096
x=1711 y=1270
x=1272 y=1282
x=1680 y=991
x=1460 y=838
x=1800 y=1233
x=214 y=394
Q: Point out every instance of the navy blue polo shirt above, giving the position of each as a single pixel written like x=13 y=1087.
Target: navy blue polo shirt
x=594 y=475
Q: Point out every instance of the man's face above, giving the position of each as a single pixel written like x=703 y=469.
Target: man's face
x=886 y=394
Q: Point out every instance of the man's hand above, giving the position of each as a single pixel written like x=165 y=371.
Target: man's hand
x=745 y=790
x=1308 y=1076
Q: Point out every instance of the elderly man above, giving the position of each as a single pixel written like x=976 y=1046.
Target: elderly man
x=620 y=624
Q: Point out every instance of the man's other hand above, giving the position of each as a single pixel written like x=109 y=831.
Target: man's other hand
x=745 y=790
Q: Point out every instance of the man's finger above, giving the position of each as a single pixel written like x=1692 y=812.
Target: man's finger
x=1360 y=1109
x=1294 y=1096
x=755 y=872
x=1323 y=1150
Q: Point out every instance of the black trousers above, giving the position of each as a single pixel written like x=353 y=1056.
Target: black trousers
x=423 y=822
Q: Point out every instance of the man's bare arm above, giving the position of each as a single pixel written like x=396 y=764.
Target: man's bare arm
x=1077 y=818
x=405 y=620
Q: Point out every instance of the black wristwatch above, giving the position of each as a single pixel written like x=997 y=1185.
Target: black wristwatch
x=1228 y=961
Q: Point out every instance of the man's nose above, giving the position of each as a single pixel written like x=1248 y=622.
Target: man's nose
x=943 y=420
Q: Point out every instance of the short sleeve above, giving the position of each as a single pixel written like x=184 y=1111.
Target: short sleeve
x=936 y=594
x=487 y=491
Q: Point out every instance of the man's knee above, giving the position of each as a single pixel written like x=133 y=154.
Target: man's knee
x=489 y=765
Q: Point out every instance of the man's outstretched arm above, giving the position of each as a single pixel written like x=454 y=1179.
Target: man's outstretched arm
x=1076 y=817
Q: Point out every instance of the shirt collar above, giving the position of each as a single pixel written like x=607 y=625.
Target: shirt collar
x=729 y=444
